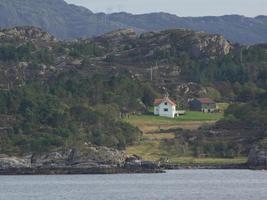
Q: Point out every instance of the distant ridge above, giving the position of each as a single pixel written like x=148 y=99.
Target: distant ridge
x=68 y=21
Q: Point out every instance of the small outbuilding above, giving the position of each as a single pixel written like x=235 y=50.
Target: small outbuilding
x=203 y=105
x=165 y=107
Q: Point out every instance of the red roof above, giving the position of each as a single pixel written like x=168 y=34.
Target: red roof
x=157 y=102
x=205 y=101
x=167 y=99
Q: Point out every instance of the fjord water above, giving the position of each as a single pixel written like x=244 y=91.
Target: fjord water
x=178 y=184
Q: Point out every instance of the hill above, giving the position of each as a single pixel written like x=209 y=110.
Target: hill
x=57 y=95
x=67 y=21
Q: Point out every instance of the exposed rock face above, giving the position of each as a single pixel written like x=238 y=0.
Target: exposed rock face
x=7 y=162
x=25 y=34
x=128 y=47
x=210 y=45
x=96 y=156
x=257 y=158
x=92 y=157
x=191 y=90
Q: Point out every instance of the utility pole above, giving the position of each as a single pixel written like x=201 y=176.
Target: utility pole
x=151 y=73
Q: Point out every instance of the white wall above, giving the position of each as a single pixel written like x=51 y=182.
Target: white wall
x=171 y=110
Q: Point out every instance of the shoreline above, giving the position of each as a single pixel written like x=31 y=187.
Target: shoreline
x=117 y=170
x=77 y=171
x=204 y=166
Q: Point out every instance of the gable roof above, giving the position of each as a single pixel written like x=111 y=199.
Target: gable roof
x=157 y=102
x=167 y=99
x=205 y=100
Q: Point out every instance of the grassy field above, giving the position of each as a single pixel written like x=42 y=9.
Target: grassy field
x=189 y=116
x=191 y=120
x=157 y=129
x=161 y=136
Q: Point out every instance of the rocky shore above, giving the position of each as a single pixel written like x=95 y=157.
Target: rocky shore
x=95 y=160
x=103 y=160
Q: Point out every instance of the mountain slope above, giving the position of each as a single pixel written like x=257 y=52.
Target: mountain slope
x=236 y=28
x=67 y=21
x=55 y=16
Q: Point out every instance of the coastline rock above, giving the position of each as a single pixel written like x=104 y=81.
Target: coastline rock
x=135 y=162
x=96 y=156
x=7 y=162
x=92 y=160
x=257 y=158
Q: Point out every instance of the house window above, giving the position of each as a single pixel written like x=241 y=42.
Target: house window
x=166 y=109
x=166 y=103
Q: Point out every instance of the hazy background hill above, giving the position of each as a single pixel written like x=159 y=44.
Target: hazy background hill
x=67 y=21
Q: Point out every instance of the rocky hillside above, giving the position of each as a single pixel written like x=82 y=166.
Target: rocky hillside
x=67 y=21
x=180 y=60
x=148 y=46
x=121 y=49
x=59 y=95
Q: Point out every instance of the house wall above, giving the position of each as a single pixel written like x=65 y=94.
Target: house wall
x=198 y=106
x=195 y=105
x=167 y=110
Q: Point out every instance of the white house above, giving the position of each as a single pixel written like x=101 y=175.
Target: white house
x=165 y=107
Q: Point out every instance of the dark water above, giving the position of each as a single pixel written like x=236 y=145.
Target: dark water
x=182 y=185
